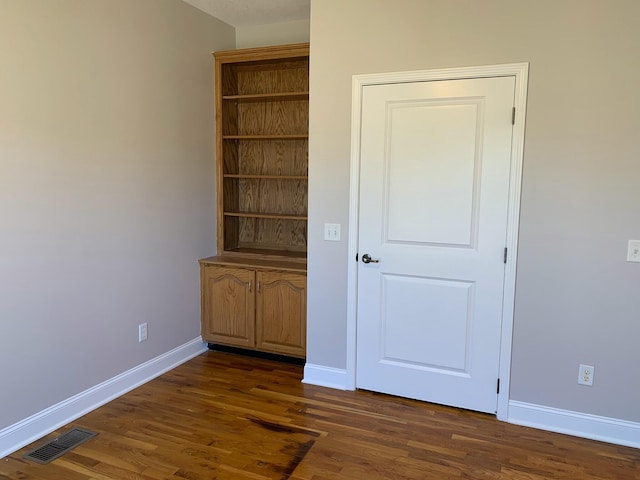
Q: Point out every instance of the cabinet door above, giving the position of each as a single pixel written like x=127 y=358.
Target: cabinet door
x=228 y=306
x=281 y=313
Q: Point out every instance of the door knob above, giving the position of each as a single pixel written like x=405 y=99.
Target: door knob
x=366 y=258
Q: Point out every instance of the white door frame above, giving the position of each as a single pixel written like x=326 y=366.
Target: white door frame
x=518 y=70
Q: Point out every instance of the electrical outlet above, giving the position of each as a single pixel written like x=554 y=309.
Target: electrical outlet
x=142 y=332
x=585 y=375
x=633 y=251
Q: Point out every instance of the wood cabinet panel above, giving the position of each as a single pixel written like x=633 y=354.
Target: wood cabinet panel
x=228 y=305
x=281 y=312
x=256 y=308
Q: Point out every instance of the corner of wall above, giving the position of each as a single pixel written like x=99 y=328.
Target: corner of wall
x=329 y=377
x=273 y=34
x=22 y=433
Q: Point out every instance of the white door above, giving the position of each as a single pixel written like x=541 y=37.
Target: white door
x=434 y=184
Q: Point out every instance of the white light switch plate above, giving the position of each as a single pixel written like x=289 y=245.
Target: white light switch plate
x=332 y=232
x=633 y=254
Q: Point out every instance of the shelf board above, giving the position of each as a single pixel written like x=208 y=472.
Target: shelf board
x=274 y=216
x=267 y=177
x=255 y=97
x=260 y=258
x=265 y=137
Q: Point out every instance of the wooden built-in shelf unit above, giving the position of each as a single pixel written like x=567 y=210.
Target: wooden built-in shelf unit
x=254 y=289
x=262 y=117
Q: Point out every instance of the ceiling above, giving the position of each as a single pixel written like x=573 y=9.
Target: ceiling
x=244 y=13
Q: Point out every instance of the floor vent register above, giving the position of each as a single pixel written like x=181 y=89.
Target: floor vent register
x=59 y=446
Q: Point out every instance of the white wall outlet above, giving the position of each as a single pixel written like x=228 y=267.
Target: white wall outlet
x=332 y=232
x=585 y=375
x=142 y=332
x=633 y=253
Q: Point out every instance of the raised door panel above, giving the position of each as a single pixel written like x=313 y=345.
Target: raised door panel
x=229 y=306
x=281 y=313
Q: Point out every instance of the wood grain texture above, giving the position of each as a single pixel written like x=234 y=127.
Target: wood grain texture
x=223 y=416
x=231 y=118
x=273 y=76
x=231 y=164
x=274 y=234
x=227 y=77
x=231 y=190
x=257 y=263
x=272 y=196
x=271 y=118
x=281 y=313
x=249 y=252
x=231 y=232
x=259 y=309
x=262 y=126
x=223 y=236
x=264 y=53
x=277 y=157
x=268 y=136
x=228 y=305
x=270 y=96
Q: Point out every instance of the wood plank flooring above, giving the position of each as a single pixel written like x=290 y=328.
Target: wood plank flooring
x=224 y=416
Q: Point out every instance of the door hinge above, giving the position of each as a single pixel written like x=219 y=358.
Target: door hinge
x=498 y=387
x=505 y=255
x=513 y=116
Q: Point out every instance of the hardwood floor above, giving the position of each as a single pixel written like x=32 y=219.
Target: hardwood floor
x=223 y=416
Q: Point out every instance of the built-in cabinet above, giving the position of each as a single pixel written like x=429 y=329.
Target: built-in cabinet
x=255 y=308
x=254 y=289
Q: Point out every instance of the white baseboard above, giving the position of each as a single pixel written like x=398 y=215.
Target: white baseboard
x=326 y=377
x=605 y=429
x=22 y=433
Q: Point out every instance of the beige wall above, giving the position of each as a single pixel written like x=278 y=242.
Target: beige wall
x=272 y=34
x=106 y=188
x=576 y=297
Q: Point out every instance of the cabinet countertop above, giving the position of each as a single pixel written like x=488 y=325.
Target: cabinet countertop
x=250 y=262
